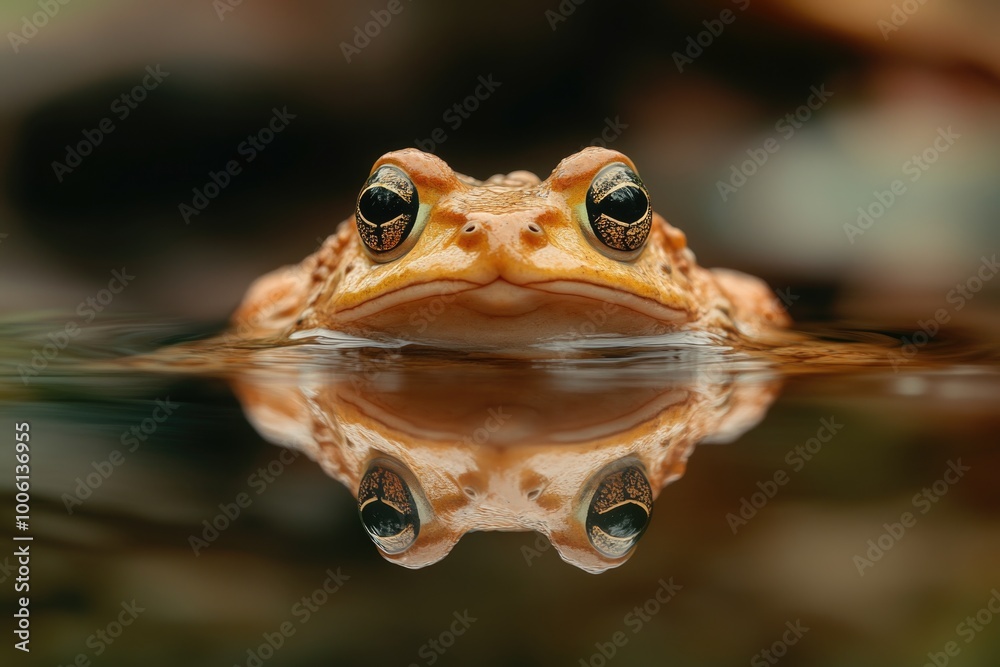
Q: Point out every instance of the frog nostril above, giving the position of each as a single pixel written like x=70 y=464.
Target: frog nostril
x=532 y=234
x=471 y=228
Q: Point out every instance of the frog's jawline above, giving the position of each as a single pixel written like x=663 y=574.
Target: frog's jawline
x=504 y=299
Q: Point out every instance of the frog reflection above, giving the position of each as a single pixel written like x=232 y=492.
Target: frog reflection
x=433 y=451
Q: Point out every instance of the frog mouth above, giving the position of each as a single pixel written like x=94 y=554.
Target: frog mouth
x=502 y=298
x=609 y=295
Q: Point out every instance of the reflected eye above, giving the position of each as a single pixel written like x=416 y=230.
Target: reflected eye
x=386 y=210
x=618 y=209
x=387 y=509
x=619 y=512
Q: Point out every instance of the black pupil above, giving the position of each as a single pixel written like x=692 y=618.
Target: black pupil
x=380 y=205
x=623 y=521
x=626 y=204
x=383 y=520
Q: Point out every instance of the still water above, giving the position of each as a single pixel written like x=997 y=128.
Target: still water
x=832 y=505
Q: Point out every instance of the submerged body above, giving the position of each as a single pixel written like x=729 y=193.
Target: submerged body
x=433 y=256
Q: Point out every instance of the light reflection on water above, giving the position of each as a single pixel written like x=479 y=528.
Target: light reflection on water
x=826 y=500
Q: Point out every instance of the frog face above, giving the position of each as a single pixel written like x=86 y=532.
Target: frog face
x=442 y=256
x=435 y=257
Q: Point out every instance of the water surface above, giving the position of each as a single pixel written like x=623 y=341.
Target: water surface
x=846 y=515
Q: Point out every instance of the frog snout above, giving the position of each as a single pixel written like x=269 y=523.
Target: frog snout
x=495 y=232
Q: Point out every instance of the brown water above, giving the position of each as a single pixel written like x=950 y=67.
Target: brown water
x=827 y=513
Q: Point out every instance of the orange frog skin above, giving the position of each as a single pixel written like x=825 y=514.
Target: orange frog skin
x=437 y=257
x=433 y=449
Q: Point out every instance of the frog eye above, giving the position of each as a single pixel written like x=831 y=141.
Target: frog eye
x=618 y=209
x=387 y=509
x=620 y=511
x=386 y=211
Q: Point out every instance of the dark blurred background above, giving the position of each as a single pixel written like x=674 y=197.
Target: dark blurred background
x=570 y=75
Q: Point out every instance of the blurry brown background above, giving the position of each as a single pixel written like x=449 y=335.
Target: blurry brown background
x=565 y=79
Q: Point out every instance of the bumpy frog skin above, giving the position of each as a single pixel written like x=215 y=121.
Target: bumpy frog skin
x=437 y=257
x=433 y=451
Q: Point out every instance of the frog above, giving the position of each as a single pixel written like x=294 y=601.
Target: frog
x=434 y=256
